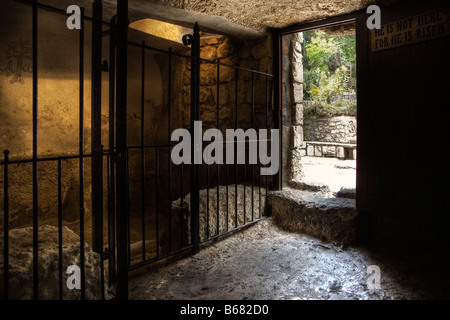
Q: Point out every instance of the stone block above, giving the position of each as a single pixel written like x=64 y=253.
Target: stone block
x=297 y=72
x=340 y=152
x=297 y=113
x=354 y=154
x=226 y=48
x=329 y=151
x=21 y=264
x=296 y=137
x=330 y=219
x=208 y=203
x=297 y=92
x=318 y=151
x=310 y=151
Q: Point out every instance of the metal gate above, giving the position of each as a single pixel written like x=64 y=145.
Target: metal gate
x=154 y=208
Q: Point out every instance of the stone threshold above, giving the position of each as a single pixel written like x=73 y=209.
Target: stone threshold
x=318 y=214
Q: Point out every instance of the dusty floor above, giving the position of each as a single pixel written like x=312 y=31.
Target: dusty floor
x=264 y=262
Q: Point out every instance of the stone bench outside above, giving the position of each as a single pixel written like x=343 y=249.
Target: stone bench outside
x=330 y=149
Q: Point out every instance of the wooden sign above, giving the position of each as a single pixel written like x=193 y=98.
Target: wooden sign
x=424 y=26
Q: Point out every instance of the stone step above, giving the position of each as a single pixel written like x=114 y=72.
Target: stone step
x=308 y=186
x=315 y=213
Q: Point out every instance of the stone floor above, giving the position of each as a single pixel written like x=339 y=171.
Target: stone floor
x=264 y=262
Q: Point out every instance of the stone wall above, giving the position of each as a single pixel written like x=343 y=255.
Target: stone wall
x=292 y=99
x=340 y=129
x=58 y=111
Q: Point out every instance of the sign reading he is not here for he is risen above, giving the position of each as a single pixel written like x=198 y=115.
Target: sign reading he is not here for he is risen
x=421 y=27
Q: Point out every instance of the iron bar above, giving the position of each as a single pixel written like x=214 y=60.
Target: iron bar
x=127 y=195
x=100 y=225
x=169 y=149
x=121 y=136
x=157 y=199
x=111 y=157
x=235 y=151
x=253 y=126
x=46 y=159
x=111 y=222
x=96 y=126
x=35 y=149
x=60 y=236
x=235 y=67
x=54 y=9
x=6 y=225
x=267 y=127
x=207 y=201
x=217 y=166
x=143 y=150
x=181 y=202
x=195 y=115
x=81 y=151
x=227 y=174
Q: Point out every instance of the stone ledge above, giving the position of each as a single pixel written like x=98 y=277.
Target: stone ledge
x=308 y=186
x=21 y=264
x=227 y=218
x=313 y=213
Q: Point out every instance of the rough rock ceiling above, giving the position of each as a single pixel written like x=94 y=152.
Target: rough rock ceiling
x=241 y=18
x=252 y=18
x=262 y=14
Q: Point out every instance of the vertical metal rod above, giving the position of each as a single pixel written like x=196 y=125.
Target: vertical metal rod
x=121 y=136
x=60 y=236
x=245 y=184
x=96 y=127
x=227 y=174
x=235 y=152
x=81 y=153
x=35 y=164
x=181 y=204
x=157 y=199
x=128 y=201
x=143 y=149
x=111 y=158
x=267 y=128
x=169 y=148
x=253 y=126
x=100 y=224
x=207 y=201
x=195 y=115
x=218 y=128
x=6 y=226
x=111 y=221
x=259 y=189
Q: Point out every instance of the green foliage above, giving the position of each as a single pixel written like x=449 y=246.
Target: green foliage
x=329 y=66
x=341 y=108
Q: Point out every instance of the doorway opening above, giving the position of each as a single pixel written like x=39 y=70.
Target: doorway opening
x=319 y=109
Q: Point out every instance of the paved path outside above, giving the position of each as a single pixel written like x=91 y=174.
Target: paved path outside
x=331 y=172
